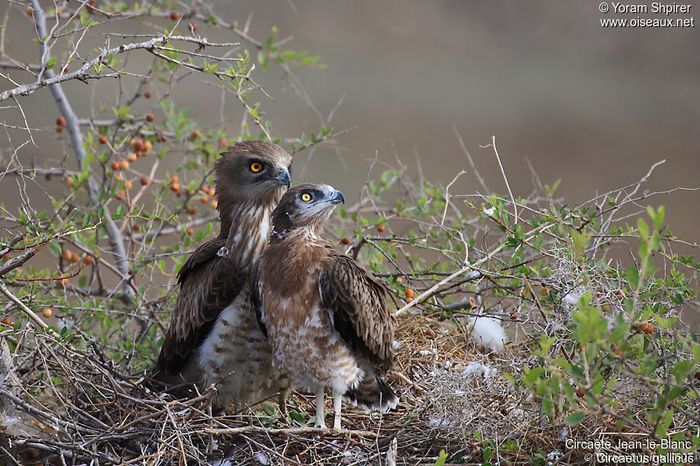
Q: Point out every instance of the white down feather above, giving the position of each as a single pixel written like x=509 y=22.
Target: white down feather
x=487 y=333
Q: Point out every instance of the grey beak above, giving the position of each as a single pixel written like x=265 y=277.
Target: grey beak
x=337 y=198
x=283 y=178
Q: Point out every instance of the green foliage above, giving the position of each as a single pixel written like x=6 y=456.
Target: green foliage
x=581 y=370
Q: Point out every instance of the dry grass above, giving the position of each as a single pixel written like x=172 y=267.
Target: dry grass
x=66 y=404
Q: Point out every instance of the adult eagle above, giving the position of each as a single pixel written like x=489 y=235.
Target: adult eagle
x=325 y=316
x=213 y=337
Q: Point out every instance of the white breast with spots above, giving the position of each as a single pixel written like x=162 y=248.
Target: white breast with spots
x=311 y=351
x=237 y=357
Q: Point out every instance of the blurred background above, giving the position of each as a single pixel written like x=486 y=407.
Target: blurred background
x=593 y=107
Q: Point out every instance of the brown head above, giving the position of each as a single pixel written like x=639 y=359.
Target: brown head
x=305 y=206
x=250 y=174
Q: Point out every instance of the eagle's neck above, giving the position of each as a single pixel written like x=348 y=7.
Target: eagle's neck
x=309 y=233
x=300 y=251
x=248 y=233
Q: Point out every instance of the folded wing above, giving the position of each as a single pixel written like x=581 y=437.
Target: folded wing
x=357 y=302
x=208 y=283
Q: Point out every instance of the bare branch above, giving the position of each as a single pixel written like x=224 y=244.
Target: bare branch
x=83 y=72
x=115 y=237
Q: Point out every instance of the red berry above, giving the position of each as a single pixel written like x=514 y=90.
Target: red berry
x=150 y=118
x=147 y=94
x=381 y=228
x=139 y=145
x=410 y=294
x=174 y=15
x=645 y=328
x=103 y=139
x=61 y=121
x=346 y=241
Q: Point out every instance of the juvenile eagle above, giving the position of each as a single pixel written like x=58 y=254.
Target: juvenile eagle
x=325 y=316
x=213 y=337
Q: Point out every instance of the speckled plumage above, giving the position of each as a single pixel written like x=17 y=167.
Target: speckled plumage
x=324 y=314
x=213 y=337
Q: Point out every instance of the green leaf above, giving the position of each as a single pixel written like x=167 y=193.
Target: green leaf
x=262 y=59
x=632 y=276
x=442 y=458
x=575 y=418
x=681 y=369
x=643 y=228
x=296 y=416
x=664 y=423
x=85 y=17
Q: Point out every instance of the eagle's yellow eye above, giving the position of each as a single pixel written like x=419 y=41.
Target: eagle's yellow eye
x=256 y=167
x=306 y=197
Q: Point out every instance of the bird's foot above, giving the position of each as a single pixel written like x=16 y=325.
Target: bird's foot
x=282 y=402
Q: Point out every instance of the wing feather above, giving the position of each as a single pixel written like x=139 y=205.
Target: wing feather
x=255 y=297
x=360 y=314
x=208 y=283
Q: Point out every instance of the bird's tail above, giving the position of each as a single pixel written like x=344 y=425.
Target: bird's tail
x=373 y=393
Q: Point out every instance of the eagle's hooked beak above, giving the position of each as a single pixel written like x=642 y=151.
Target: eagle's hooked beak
x=283 y=178
x=336 y=197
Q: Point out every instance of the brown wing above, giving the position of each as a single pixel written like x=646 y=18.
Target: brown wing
x=360 y=315
x=208 y=283
x=201 y=255
x=255 y=297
